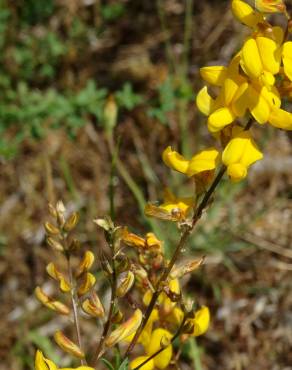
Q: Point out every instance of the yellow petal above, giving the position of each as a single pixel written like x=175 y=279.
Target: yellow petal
x=139 y=360
x=214 y=75
x=201 y=321
x=205 y=160
x=67 y=345
x=87 y=282
x=124 y=330
x=205 y=102
x=239 y=103
x=246 y=14
x=270 y=54
x=236 y=172
x=258 y=105
x=270 y=6
x=175 y=160
x=220 y=118
x=158 y=337
x=42 y=363
x=251 y=60
x=287 y=59
x=229 y=88
x=85 y=264
x=281 y=119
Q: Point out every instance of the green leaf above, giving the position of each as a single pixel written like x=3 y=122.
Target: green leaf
x=107 y=363
x=124 y=365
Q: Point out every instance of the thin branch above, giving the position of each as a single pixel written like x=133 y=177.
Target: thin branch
x=74 y=302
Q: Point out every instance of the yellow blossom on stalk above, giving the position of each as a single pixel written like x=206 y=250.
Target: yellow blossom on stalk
x=200 y=322
x=287 y=59
x=159 y=339
x=239 y=154
x=270 y=6
x=205 y=160
x=172 y=209
x=42 y=363
x=246 y=14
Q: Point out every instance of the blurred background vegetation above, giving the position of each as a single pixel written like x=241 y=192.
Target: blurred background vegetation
x=63 y=62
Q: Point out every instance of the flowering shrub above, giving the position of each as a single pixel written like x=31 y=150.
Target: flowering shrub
x=251 y=89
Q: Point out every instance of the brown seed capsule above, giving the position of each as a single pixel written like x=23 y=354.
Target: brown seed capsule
x=71 y=222
x=67 y=345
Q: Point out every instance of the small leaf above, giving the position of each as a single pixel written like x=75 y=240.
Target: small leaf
x=124 y=365
x=107 y=363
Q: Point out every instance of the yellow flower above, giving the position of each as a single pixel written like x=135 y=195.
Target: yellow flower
x=139 y=360
x=239 y=154
x=205 y=160
x=287 y=59
x=246 y=14
x=172 y=202
x=230 y=103
x=160 y=337
x=42 y=363
x=201 y=321
x=270 y=6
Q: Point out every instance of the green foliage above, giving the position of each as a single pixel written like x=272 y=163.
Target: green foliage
x=127 y=98
x=124 y=365
x=111 y=12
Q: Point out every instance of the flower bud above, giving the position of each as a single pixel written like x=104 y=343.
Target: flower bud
x=71 y=222
x=51 y=303
x=51 y=229
x=54 y=273
x=125 y=284
x=105 y=223
x=110 y=114
x=67 y=345
x=60 y=208
x=55 y=244
x=93 y=306
x=87 y=282
x=52 y=210
x=117 y=317
x=85 y=264
x=124 y=330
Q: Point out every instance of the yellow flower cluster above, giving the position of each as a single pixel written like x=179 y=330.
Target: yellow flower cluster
x=253 y=86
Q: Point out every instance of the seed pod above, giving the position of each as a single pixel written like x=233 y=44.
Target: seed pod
x=71 y=222
x=51 y=229
x=125 y=284
x=87 y=282
x=51 y=303
x=67 y=345
x=55 y=244
x=93 y=306
x=124 y=330
x=85 y=264
x=187 y=268
x=54 y=273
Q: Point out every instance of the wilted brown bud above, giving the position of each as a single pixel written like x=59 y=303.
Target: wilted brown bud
x=125 y=283
x=85 y=264
x=122 y=263
x=51 y=229
x=188 y=327
x=74 y=245
x=55 y=244
x=71 y=222
x=57 y=275
x=133 y=240
x=93 y=306
x=186 y=268
x=51 y=303
x=67 y=345
x=105 y=223
x=87 y=282
x=153 y=243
